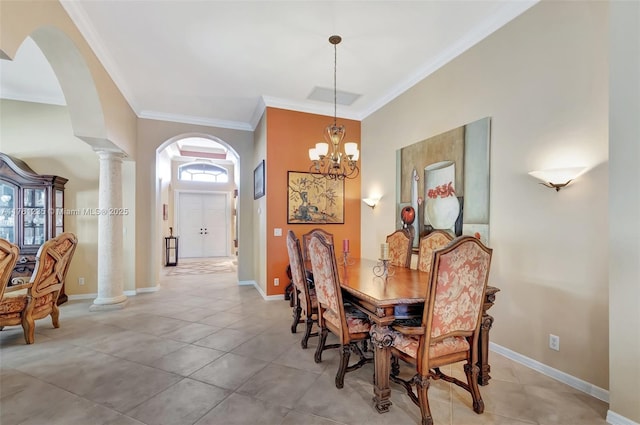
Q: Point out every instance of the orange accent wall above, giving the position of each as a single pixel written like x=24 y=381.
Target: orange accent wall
x=290 y=134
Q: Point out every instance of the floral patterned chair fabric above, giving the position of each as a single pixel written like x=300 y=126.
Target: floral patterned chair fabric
x=400 y=248
x=307 y=237
x=450 y=323
x=304 y=297
x=347 y=323
x=8 y=259
x=38 y=298
x=429 y=243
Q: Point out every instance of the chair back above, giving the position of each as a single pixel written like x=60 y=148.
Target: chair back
x=306 y=238
x=52 y=264
x=435 y=240
x=325 y=277
x=400 y=243
x=298 y=274
x=8 y=259
x=458 y=281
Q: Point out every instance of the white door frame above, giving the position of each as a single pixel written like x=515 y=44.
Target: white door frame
x=176 y=214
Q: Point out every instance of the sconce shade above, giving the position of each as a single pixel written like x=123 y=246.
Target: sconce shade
x=372 y=202
x=559 y=177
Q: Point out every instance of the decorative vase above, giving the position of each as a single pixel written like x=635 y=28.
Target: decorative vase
x=441 y=208
x=407 y=215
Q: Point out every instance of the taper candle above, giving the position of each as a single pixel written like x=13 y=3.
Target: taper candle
x=345 y=245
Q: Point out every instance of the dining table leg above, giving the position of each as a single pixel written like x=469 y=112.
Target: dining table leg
x=382 y=339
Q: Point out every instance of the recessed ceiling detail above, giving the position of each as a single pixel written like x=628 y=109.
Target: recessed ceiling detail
x=323 y=94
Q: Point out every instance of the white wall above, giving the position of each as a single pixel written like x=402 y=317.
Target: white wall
x=624 y=211
x=543 y=81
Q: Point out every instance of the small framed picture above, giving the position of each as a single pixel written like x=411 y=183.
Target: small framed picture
x=165 y=212
x=258 y=181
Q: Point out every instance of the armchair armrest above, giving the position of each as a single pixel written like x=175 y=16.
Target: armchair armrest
x=19 y=287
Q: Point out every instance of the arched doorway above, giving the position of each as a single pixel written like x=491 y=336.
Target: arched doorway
x=197 y=186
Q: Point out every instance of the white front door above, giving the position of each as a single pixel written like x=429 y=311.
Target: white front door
x=203 y=225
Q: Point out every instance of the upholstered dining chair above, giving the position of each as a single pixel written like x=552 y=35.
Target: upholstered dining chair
x=37 y=299
x=429 y=243
x=450 y=323
x=345 y=321
x=304 y=296
x=306 y=238
x=400 y=243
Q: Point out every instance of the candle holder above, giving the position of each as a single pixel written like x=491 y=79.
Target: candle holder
x=346 y=260
x=383 y=268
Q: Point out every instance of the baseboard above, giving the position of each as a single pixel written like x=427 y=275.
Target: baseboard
x=82 y=297
x=556 y=374
x=260 y=291
x=145 y=290
x=615 y=419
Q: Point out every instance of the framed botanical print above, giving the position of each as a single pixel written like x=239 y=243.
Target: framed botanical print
x=258 y=181
x=314 y=199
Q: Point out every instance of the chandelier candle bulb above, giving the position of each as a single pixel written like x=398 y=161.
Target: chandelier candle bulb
x=345 y=245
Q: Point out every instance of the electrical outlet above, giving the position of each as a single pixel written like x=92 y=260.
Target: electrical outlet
x=276 y=282
x=554 y=342
x=81 y=281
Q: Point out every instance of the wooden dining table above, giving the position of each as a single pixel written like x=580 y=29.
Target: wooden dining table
x=399 y=295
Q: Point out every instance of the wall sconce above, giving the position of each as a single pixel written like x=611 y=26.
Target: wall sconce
x=559 y=177
x=371 y=202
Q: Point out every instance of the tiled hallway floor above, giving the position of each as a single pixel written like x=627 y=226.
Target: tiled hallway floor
x=204 y=350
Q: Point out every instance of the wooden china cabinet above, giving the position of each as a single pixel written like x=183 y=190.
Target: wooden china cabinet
x=31 y=212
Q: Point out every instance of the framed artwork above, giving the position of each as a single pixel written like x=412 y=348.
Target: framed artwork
x=165 y=212
x=446 y=180
x=314 y=199
x=258 y=181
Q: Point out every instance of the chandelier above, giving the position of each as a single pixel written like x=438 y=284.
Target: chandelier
x=332 y=158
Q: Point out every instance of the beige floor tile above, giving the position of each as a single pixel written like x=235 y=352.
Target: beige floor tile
x=205 y=350
x=181 y=404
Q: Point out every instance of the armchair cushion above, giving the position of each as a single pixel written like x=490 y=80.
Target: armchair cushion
x=13 y=303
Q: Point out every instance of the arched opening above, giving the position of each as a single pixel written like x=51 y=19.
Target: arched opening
x=197 y=185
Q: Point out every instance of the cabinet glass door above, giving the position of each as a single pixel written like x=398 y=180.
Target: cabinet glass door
x=8 y=212
x=34 y=216
x=59 y=218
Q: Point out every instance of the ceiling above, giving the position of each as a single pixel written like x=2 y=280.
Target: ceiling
x=220 y=63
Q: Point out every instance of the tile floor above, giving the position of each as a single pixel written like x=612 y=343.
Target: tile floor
x=206 y=351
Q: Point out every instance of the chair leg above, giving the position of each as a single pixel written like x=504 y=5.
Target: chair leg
x=297 y=311
x=321 y=341
x=472 y=379
x=395 y=366
x=344 y=362
x=307 y=332
x=422 y=387
x=55 y=315
x=28 y=327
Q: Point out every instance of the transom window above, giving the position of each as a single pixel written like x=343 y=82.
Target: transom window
x=201 y=172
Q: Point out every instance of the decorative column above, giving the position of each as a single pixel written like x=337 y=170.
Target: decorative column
x=110 y=274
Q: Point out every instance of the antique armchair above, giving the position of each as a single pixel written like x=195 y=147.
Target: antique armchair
x=400 y=243
x=37 y=299
x=346 y=322
x=429 y=243
x=306 y=238
x=8 y=259
x=304 y=297
x=450 y=325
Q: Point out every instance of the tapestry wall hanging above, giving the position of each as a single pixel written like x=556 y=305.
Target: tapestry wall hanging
x=314 y=199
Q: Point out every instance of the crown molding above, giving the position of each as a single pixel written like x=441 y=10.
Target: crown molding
x=188 y=119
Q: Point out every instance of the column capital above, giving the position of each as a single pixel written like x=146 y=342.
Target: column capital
x=110 y=154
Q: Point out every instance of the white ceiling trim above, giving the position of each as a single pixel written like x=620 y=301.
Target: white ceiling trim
x=188 y=119
x=509 y=11
x=81 y=20
x=31 y=97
